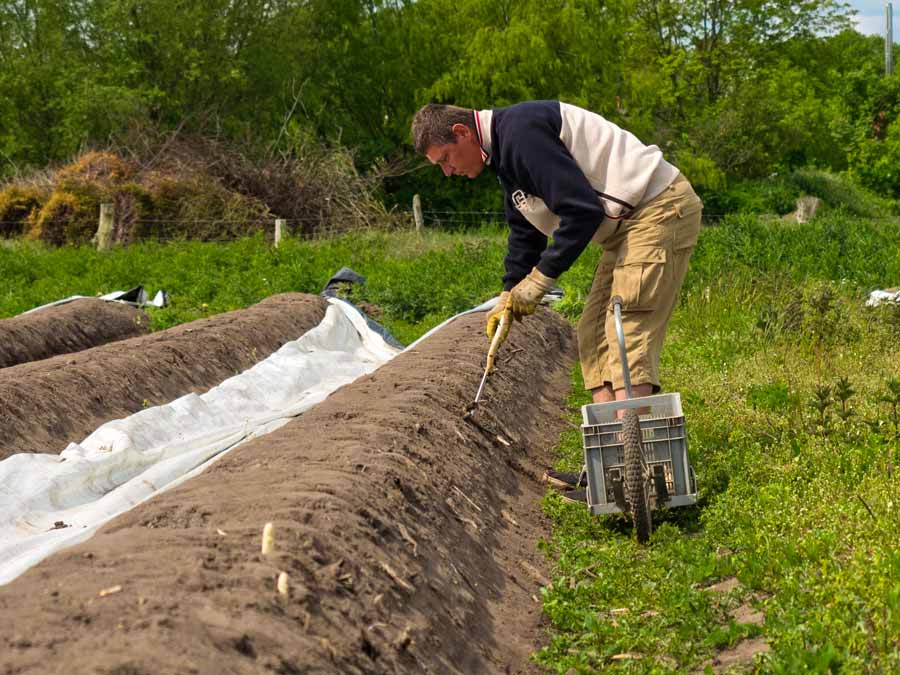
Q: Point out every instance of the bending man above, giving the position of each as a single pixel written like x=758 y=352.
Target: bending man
x=570 y=173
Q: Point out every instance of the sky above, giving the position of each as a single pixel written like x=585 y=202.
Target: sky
x=870 y=16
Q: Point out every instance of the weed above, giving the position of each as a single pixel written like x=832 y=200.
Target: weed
x=773 y=396
x=889 y=314
x=892 y=398
x=821 y=403
x=842 y=393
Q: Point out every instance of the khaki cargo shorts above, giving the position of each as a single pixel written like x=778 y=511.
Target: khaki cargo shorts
x=644 y=262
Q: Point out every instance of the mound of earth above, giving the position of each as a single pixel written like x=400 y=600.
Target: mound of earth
x=408 y=535
x=68 y=328
x=51 y=403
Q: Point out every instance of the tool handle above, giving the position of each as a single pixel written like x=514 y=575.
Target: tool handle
x=623 y=352
x=505 y=318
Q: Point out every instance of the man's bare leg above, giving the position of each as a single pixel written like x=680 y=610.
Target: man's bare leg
x=605 y=394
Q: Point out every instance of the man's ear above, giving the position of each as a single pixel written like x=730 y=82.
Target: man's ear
x=461 y=131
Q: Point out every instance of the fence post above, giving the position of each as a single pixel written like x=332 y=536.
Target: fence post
x=279 y=231
x=105 y=227
x=417 y=214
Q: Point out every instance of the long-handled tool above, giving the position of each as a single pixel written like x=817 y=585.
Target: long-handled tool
x=492 y=353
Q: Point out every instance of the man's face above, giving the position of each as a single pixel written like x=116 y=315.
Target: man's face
x=462 y=158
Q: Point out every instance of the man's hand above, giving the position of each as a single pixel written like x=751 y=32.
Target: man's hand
x=528 y=293
x=494 y=316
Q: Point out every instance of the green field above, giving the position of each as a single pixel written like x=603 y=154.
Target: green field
x=416 y=283
x=791 y=389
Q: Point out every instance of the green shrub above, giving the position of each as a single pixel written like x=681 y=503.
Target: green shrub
x=778 y=194
x=773 y=396
x=876 y=163
x=840 y=192
x=758 y=195
x=701 y=170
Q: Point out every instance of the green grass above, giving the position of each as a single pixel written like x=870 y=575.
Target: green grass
x=416 y=283
x=799 y=492
x=800 y=506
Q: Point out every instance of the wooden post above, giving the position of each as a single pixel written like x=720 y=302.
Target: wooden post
x=417 y=214
x=105 y=227
x=279 y=231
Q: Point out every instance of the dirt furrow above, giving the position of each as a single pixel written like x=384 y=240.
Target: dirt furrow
x=67 y=328
x=408 y=536
x=47 y=404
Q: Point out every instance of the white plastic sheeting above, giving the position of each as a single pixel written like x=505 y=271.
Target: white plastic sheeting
x=879 y=297
x=136 y=297
x=48 y=502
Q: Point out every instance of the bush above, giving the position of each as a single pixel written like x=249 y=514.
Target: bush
x=193 y=188
x=65 y=218
x=876 y=163
x=838 y=191
x=701 y=170
x=778 y=194
x=767 y=121
x=774 y=194
x=18 y=203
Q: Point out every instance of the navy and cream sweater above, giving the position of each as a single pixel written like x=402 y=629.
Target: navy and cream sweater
x=567 y=172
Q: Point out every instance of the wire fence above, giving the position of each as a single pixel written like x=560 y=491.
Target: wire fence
x=314 y=227
x=474 y=218
x=228 y=230
x=316 y=224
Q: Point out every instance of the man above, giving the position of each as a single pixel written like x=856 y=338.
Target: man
x=570 y=173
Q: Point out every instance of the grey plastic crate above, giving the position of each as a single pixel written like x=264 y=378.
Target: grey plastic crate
x=665 y=449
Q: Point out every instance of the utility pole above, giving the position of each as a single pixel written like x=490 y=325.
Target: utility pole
x=888 y=38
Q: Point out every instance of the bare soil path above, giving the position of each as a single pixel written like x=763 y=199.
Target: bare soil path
x=408 y=535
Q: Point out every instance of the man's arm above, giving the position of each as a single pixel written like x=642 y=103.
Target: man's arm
x=524 y=246
x=540 y=154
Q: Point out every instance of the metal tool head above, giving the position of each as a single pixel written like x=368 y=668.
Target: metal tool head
x=470 y=411
x=492 y=352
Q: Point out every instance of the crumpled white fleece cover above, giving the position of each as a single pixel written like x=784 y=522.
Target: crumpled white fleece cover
x=127 y=461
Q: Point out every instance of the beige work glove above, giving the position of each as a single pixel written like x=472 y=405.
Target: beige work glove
x=528 y=293
x=493 y=317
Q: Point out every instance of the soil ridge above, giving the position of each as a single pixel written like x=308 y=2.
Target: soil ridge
x=48 y=404
x=70 y=327
x=409 y=536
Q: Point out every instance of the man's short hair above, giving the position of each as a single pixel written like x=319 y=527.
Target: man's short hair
x=433 y=124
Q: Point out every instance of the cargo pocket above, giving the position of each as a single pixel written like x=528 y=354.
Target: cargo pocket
x=638 y=277
x=687 y=224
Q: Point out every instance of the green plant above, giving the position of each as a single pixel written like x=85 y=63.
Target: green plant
x=773 y=396
x=821 y=402
x=842 y=393
x=892 y=398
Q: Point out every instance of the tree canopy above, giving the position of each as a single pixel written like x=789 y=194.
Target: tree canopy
x=725 y=87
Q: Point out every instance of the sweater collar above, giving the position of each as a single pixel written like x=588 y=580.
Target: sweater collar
x=483 y=129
